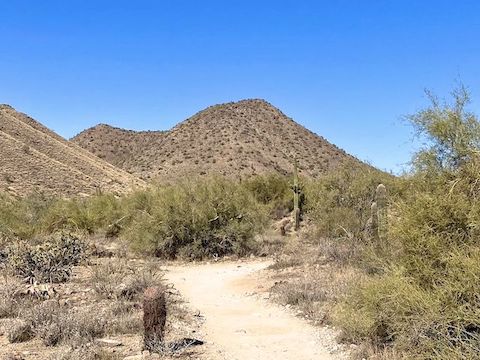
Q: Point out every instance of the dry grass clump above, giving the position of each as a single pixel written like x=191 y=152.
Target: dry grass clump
x=310 y=282
x=11 y=298
x=118 y=279
x=314 y=290
x=19 y=331
x=86 y=352
x=55 y=323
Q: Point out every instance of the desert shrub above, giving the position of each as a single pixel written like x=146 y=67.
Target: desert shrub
x=90 y=214
x=11 y=299
x=125 y=318
x=339 y=202
x=339 y=205
x=35 y=215
x=20 y=217
x=272 y=190
x=50 y=261
x=211 y=217
x=425 y=305
x=55 y=324
x=115 y=279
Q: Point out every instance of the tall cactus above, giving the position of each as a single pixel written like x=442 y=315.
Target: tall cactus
x=381 y=205
x=374 y=219
x=296 y=196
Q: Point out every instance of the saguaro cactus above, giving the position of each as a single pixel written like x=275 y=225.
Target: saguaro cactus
x=154 y=317
x=381 y=205
x=374 y=219
x=296 y=196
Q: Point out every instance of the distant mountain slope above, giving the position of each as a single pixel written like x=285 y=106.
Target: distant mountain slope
x=35 y=159
x=235 y=139
x=123 y=148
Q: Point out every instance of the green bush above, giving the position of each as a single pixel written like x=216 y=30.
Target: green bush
x=272 y=190
x=339 y=203
x=33 y=216
x=89 y=215
x=425 y=305
x=211 y=217
x=21 y=217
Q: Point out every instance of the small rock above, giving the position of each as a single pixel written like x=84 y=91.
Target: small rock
x=108 y=342
x=133 y=357
x=13 y=356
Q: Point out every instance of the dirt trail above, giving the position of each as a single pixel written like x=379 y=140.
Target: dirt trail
x=240 y=323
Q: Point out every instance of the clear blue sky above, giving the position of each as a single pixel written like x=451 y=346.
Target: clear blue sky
x=347 y=70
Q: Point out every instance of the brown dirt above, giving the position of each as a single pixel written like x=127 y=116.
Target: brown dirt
x=235 y=139
x=240 y=322
x=34 y=159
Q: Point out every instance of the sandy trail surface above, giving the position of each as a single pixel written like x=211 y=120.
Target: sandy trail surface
x=240 y=322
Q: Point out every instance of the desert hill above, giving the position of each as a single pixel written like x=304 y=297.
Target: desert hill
x=35 y=159
x=122 y=148
x=236 y=139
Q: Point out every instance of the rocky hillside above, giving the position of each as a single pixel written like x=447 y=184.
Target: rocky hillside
x=35 y=159
x=122 y=148
x=234 y=139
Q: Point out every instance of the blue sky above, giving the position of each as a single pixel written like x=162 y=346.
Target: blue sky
x=347 y=70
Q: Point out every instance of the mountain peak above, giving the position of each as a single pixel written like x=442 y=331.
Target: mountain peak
x=236 y=139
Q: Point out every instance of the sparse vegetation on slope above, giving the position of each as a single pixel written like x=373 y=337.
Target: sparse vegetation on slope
x=237 y=139
x=36 y=160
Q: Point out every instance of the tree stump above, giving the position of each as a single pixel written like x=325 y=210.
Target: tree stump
x=154 y=317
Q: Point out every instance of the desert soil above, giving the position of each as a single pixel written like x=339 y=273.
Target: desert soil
x=239 y=320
